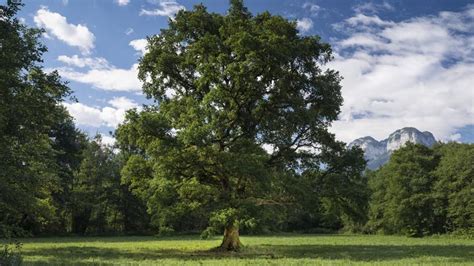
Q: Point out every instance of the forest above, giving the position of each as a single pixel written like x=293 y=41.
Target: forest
x=242 y=146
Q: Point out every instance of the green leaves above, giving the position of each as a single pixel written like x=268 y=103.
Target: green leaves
x=454 y=188
x=424 y=191
x=403 y=200
x=30 y=113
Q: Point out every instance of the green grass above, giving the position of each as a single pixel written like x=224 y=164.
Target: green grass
x=259 y=250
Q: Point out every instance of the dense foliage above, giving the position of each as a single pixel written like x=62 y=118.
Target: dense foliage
x=454 y=187
x=47 y=174
x=29 y=111
x=100 y=203
x=423 y=191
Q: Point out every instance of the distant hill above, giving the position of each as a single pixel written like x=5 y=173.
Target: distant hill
x=378 y=153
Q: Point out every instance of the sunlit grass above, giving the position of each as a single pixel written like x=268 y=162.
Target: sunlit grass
x=258 y=250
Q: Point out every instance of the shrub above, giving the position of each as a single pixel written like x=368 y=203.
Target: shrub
x=10 y=254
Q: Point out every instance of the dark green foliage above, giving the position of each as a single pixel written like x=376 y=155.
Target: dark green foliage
x=402 y=201
x=69 y=143
x=423 y=191
x=100 y=203
x=94 y=190
x=324 y=199
x=29 y=109
x=135 y=218
x=53 y=180
x=340 y=192
x=454 y=188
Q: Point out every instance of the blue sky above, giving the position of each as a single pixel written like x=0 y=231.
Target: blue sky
x=405 y=63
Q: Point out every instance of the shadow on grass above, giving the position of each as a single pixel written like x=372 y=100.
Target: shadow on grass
x=119 y=239
x=108 y=239
x=357 y=253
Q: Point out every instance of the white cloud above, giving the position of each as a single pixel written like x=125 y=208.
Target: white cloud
x=123 y=103
x=371 y=7
x=56 y=25
x=269 y=148
x=99 y=73
x=304 y=24
x=455 y=137
x=107 y=140
x=312 y=8
x=362 y=39
x=168 y=8
x=112 y=78
x=122 y=2
x=84 y=115
x=109 y=116
x=361 y=19
x=129 y=31
x=139 y=45
x=417 y=72
x=77 y=61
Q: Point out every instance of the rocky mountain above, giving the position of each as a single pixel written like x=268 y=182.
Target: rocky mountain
x=377 y=153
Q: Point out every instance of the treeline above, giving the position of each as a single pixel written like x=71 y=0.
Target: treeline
x=423 y=191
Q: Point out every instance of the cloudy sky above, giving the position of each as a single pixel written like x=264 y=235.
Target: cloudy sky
x=404 y=63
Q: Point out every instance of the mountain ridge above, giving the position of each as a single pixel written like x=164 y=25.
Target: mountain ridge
x=377 y=153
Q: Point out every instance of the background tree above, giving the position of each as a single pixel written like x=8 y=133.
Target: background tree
x=96 y=190
x=68 y=143
x=328 y=198
x=403 y=201
x=243 y=107
x=100 y=202
x=340 y=189
x=454 y=187
x=29 y=109
x=135 y=219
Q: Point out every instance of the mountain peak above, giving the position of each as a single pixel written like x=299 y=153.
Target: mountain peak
x=378 y=153
x=400 y=137
x=363 y=140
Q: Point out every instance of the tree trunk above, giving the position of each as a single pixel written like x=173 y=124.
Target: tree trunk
x=231 y=241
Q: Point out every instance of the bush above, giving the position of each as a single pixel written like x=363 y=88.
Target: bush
x=10 y=254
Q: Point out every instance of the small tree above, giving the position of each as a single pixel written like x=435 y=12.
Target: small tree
x=243 y=106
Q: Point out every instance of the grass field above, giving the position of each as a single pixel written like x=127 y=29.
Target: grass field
x=259 y=250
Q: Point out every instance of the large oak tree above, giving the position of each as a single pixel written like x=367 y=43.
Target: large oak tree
x=242 y=108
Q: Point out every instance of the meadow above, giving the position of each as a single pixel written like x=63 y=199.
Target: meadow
x=258 y=250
